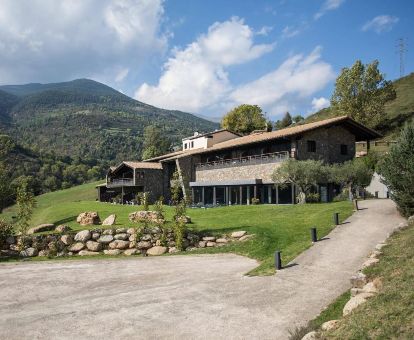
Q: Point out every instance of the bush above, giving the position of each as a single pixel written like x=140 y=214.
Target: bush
x=312 y=198
x=342 y=196
x=6 y=230
x=255 y=201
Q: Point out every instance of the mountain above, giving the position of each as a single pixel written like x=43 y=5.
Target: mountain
x=86 y=119
x=397 y=111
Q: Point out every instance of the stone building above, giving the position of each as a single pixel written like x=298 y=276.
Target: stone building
x=225 y=168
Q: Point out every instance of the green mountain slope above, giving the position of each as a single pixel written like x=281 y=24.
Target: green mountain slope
x=89 y=120
x=397 y=112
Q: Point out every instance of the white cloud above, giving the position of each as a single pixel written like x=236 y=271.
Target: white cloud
x=49 y=40
x=265 y=30
x=381 y=23
x=327 y=6
x=320 y=103
x=291 y=83
x=195 y=77
x=290 y=32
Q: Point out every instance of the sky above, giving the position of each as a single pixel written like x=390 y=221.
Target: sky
x=205 y=57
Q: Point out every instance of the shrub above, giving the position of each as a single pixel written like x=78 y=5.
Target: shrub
x=312 y=198
x=143 y=198
x=6 y=230
x=255 y=201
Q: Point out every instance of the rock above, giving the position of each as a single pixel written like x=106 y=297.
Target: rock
x=209 y=238
x=157 y=250
x=238 y=234
x=146 y=237
x=246 y=237
x=355 y=301
x=110 y=220
x=202 y=244
x=88 y=218
x=131 y=231
x=359 y=280
x=369 y=263
x=370 y=288
x=66 y=239
x=144 y=216
x=83 y=236
x=329 y=325
x=106 y=239
x=375 y=254
x=76 y=247
x=122 y=237
x=155 y=230
x=121 y=230
x=9 y=252
x=43 y=253
x=411 y=219
x=29 y=252
x=158 y=242
x=144 y=245
x=95 y=236
x=132 y=237
x=87 y=253
x=10 y=240
x=40 y=228
x=184 y=219
x=112 y=252
x=94 y=246
x=108 y=232
x=222 y=240
x=310 y=336
x=173 y=250
x=119 y=244
x=379 y=246
x=130 y=252
x=62 y=228
x=210 y=244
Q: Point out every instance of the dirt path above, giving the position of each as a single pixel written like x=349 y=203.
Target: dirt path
x=185 y=297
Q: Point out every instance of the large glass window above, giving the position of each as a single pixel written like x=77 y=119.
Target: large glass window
x=198 y=195
x=220 y=195
x=208 y=195
x=285 y=194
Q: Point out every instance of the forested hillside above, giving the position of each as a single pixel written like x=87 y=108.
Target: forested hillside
x=397 y=111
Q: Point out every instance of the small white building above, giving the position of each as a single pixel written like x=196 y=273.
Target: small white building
x=377 y=188
x=207 y=140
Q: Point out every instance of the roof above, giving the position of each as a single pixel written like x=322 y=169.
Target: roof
x=361 y=132
x=139 y=165
x=211 y=133
x=167 y=155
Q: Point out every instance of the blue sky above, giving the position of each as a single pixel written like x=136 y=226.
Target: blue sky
x=204 y=56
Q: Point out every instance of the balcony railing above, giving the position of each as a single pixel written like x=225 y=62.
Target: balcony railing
x=120 y=182
x=248 y=160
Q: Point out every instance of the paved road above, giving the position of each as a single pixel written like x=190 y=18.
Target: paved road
x=185 y=297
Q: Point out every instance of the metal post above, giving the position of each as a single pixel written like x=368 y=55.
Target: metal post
x=314 y=235
x=336 y=218
x=356 y=205
x=202 y=196
x=248 y=195
x=214 y=196
x=278 y=260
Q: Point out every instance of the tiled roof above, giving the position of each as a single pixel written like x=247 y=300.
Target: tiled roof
x=210 y=133
x=283 y=133
x=144 y=165
x=167 y=155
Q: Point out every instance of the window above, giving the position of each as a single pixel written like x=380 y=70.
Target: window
x=311 y=146
x=192 y=144
x=185 y=145
x=344 y=149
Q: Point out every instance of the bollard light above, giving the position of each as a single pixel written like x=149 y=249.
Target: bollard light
x=314 y=235
x=278 y=260
x=336 y=218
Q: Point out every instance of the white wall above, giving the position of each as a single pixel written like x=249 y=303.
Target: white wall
x=377 y=186
x=203 y=142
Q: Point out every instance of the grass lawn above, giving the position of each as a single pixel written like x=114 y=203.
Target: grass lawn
x=284 y=228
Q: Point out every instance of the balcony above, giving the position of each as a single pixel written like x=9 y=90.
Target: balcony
x=274 y=157
x=121 y=182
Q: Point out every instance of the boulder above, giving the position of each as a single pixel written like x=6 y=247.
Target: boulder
x=130 y=252
x=173 y=250
x=310 y=336
x=157 y=250
x=94 y=246
x=375 y=254
x=132 y=237
x=43 y=253
x=112 y=252
x=184 y=219
x=359 y=280
x=144 y=216
x=10 y=240
x=210 y=244
x=29 y=252
x=83 y=236
x=202 y=244
x=95 y=236
x=66 y=239
x=355 y=301
x=108 y=232
x=119 y=244
x=369 y=288
x=131 y=231
x=209 y=238
x=122 y=237
x=246 y=237
x=121 y=230
x=222 y=240
x=78 y=246
x=106 y=239
x=329 y=325
x=144 y=245
x=146 y=237
x=62 y=228
x=369 y=262
x=40 y=228
x=238 y=234
x=379 y=246
x=87 y=253
x=110 y=220
x=88 y=218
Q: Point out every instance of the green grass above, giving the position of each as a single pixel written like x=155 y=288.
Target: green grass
x=284 y=228
x=390 y=314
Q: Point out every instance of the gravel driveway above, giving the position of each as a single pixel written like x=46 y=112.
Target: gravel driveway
x=185 y=297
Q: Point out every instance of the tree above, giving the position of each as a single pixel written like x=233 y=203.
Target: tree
x=25 y=204
x=155 y=142
x=298 y=118
x=361 y=93
x=6 y=191
x=244 y=119
x=285 y=122
x=304 y=174
x=398 y=171
x=353 y=175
